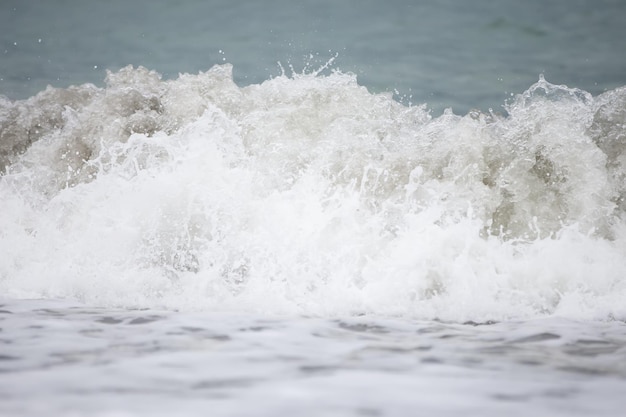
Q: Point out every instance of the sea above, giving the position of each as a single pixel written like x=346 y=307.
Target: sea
x=313 y=208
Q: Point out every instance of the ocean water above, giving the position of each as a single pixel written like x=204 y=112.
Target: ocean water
x=445 y=53
x=312 y=208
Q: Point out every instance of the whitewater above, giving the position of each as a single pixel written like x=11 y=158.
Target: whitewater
x=303 y=245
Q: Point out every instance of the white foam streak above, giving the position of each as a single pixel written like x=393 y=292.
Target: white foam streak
x=311 y=195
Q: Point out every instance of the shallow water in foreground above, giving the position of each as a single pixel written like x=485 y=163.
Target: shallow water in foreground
x=64 y=358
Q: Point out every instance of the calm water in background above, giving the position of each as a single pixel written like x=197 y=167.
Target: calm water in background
x=445 y=53
x=301 y=246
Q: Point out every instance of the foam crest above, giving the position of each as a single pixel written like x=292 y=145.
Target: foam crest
x=309 y=194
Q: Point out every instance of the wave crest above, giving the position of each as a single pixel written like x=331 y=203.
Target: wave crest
x=309 y=193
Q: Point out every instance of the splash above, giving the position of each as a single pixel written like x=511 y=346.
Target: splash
x=308 y=194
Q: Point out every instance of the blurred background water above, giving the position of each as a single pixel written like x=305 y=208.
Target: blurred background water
x=446 y=53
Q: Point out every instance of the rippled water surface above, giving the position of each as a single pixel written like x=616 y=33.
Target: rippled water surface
x=63 y=358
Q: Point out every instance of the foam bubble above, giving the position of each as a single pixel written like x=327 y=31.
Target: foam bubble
x=309 y=194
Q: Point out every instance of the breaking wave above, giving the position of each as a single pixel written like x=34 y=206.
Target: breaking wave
x=308 y=194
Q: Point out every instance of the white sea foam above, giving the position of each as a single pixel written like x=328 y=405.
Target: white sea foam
x=309 y=194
